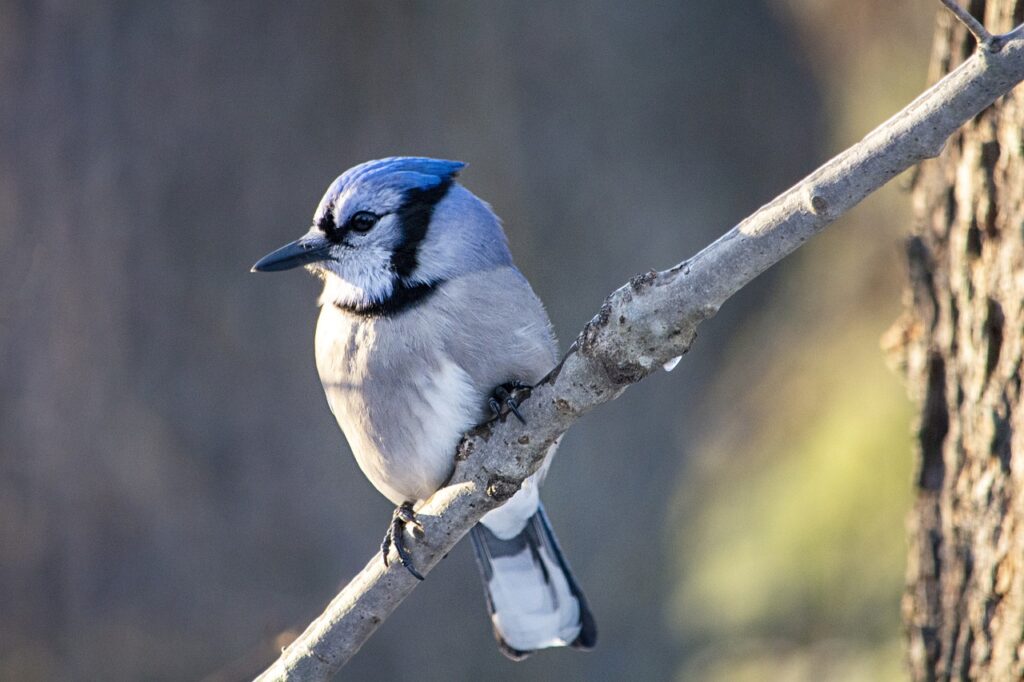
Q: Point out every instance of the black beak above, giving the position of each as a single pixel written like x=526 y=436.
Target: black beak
x=299 y=252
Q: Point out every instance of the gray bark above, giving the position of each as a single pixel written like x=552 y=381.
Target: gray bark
x=649 y=320
x=960 y=342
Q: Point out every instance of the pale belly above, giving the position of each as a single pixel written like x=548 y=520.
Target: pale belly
x=407 y=448
x=402 y=413
x=404 y=403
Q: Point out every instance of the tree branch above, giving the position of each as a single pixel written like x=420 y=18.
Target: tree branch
x=648 y=321
x=977 y=29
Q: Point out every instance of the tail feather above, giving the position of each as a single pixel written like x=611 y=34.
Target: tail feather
x=532 y=597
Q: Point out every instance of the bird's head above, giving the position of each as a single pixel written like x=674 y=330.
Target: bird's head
x=389 y=225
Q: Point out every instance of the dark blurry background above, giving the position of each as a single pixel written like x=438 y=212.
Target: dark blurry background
x=175 y=498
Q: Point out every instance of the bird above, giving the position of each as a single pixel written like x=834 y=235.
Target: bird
x=427 y=329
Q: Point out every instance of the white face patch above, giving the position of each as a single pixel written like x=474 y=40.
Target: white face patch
x=360 y=271
x=357 y=277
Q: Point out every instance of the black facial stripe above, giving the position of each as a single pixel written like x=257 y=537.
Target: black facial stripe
x=414 y=219
x=402 y=298
x=329 y=226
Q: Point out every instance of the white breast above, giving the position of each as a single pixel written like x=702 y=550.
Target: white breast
x=449 y=408
x=403 y=406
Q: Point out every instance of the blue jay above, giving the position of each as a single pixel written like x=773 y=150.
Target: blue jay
x=426 y=329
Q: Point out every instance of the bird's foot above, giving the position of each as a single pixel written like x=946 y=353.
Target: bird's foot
x=505 y=399
x=402 y=517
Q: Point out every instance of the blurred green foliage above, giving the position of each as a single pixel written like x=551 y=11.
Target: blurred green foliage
x=792 y=536
x=789 y=519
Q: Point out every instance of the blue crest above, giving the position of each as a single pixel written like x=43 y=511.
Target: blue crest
x=400 y=172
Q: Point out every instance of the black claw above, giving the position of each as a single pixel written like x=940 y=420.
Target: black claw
x=385 y=546
x=514 y=406
x=395 y=535
x=504 y=395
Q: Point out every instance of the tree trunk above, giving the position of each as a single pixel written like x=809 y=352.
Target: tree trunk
x=961 y=338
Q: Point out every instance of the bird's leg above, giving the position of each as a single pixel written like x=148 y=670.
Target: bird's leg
x=505 y=397
x=402 y=517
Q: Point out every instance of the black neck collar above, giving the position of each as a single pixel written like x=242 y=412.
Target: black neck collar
x=404 y=297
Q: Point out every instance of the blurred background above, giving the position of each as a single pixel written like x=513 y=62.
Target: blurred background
x=176 y=501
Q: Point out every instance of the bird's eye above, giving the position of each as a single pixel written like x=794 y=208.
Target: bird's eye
x=363 y=221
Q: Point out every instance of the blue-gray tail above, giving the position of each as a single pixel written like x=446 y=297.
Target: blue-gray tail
x=533 y=599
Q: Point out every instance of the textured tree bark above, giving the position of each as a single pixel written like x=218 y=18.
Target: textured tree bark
x=961 y=347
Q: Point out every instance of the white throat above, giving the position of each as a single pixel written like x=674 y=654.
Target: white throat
x=376 y=285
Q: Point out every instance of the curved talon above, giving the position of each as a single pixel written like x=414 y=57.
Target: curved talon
x=514 y=406
x=385 y=546
x=495 y=406
x=402 y=516
x=504 y=394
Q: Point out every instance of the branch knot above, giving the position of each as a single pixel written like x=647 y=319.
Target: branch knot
x=501 y=488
